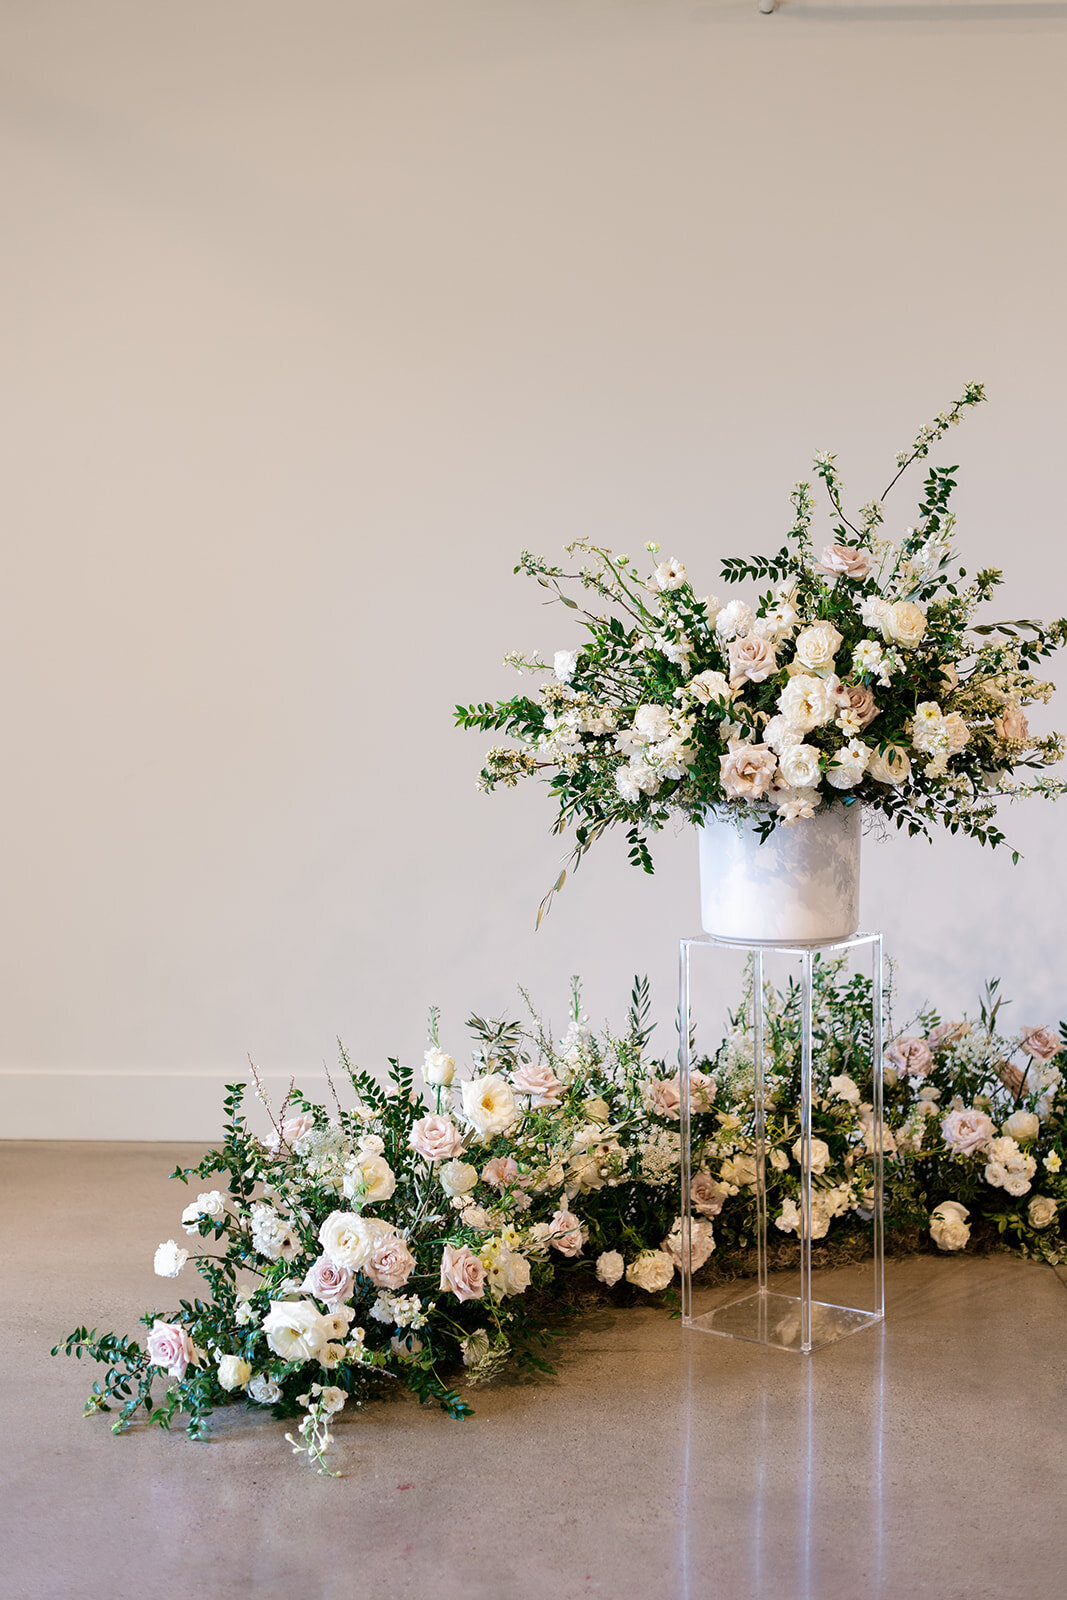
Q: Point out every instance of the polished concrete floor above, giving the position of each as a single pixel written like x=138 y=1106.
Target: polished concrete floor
x=923 y=1460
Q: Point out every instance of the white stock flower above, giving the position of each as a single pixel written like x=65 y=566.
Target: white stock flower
x=489 y=1105
x=652 y=722
x=949 y=1227
x=799 y=766
x=169 y=1259
x=780 y=734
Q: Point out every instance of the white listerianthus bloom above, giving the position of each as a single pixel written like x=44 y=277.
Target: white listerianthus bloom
x=234 y=1373
x=806 y=702
x=668 y=575
x=565 y=664
x=799 y=766
x=734 y=619
x=652 y=1271
x=169 y=1259
x=610 y=1267
x=848 y=765
x=892 y=766
x=1041 y=1212
x=457 y=1177
x=489 y=1105
x=949 y=1227
x=296 y=1330
x=779 y=1160
x=263 y=1390
x=739 y=1170
x=438 y=1068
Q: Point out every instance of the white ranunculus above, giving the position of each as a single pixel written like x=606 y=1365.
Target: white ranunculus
x=263 y=1390
x=1022 y=1125
x=668 y=575
x=457 y=1177
x=816 y=646
x=296 y=1330
x=903 y=623
x=610 y=1267
x=234 y=1373
x=799 y=766
x=806 y=702
x=949 y=1227
x=820 y=1155
x=1041 y=1212
x=489 y=1105
x=169 y=1260
x=652 y=1271
x=892 y=765
x=565 y=664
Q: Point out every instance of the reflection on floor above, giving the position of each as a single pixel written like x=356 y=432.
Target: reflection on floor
x=922 y=1459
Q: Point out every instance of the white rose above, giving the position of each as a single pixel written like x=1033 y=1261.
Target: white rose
x=949 y=1228
x=734 y=619
x=264 y=1391
x=457 y=1177
x=816 y=647
x=212 y=1205
x=820 y=1155
x=903 y=623
x=438 y=1068
x=652 y=1271
x=489 y=1105
x=371 y=1180
x=610 y=1267
x=295 y=1330
x=234 y=1373
x=806 y=702
x=799 y=765
x=169 y=1260
x=779 y=1160
x=1041 y=1211
x=1022 y=1125
x=348 y=1238
x=780 y=734
x=892 y=765
x=565 y=664
x=845 y=1088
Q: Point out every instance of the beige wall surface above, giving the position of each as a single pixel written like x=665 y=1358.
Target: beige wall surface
x=313 y=316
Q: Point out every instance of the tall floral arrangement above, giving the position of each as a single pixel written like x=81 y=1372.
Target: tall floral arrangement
x=858 y=673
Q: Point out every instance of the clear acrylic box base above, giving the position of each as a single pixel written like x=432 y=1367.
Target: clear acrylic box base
x=764 y=1317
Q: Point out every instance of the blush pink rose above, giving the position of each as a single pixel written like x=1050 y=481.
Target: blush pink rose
x=664 y=1096
x=292 y=1129
x=1011 y=725
x=967 y=1131
x=839 y=560
x=1041 y=1043
x=169 y=1347
x=707 y=1194
x=391 y=1262
x=567 y=1231
x=436 y=1137
x=858 y=705
x=502 y=1172
x=947 y=1033
x=328 y=1282
x=747 y=771
x=752 y=659
x=462 y=1273
x=537 y=1080
x=911 y=1055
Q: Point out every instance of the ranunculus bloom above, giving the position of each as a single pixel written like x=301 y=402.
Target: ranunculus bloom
x=841 y=560
x=462 y=1273
x=295 y=1330
x=170 y=1347
x=652 y=1271
x=489 y=1104
x=328 y=1282
x=436 y=1137
x=949 y=1228
x=747 y=771
x=1041 y=1043
x=752 y=660
x=537 y=1080
x=391 y=1262
x=967 y=1131
x=911 y=1055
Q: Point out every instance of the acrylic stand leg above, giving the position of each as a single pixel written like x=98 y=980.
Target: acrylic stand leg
x=763 y=1316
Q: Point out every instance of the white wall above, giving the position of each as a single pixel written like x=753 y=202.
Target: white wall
x=313 y=316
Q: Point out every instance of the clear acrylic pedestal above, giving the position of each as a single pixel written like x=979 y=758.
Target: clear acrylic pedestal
x=763 y=1316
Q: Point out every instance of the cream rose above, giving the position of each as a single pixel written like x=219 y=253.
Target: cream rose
x=438 y=1068
x=707 y=1194
x=489 y=1105
x=966 y=1131
x=806 y=702
x=1041 y=1212
x=348 y=1238
x=170 y=1347
x=747 y=771
x=858 y=708
x=904 y=623
x=1011 y=726
x=264 y=1391
x=371 y=1180
x=820 y=1155
x=436 y=1137
x=816 y=646
x=949 y=1228
x=701 y=1243
x=752 y=660
x=1041 y=1043
x=234 y=1373
x=462 y=1273
x=652 y=1271
x=892 y=765
x=296 y=1330
x=799 y=766
x=710 y=686
x=840 y=560
x=610 y=1267
x=911 y=1055
x=1022 y=1126
x=457 y=1177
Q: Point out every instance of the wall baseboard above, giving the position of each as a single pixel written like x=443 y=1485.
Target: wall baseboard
x=130 y=1105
